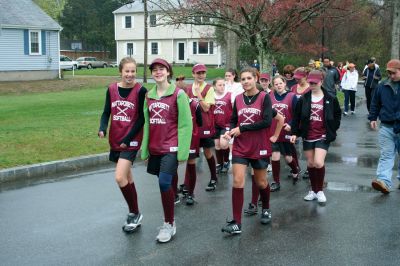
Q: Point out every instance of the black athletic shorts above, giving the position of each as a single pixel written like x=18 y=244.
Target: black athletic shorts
x=285 y=148
x=219 y=131
x=311 y=145
x=128 y=155
x=207 y=143
x=166 y=163
x=255 y=163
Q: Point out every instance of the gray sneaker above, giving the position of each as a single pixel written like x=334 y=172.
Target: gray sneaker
x=132 y=222
x=265 y=216
x=167 y=231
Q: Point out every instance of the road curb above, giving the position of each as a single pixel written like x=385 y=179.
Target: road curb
x=53 y=167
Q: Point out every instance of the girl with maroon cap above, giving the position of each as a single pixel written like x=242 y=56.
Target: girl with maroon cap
x=124 y=104
x=251 y=118
x=204 y=94
x=222 y=116
x=316 y=120
x=284 y=103
x=166 y=137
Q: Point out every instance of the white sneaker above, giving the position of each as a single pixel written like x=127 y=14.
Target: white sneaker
x=321 y=197
x=167 y=231
x=352 y=112
x=269 y=168
x=310 y=196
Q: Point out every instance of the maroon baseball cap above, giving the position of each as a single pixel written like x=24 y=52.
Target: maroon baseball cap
x=160 y=61
x=300 y=73
x=265 y=76
x=393 y=65
x=199 y=68
x=315 y=76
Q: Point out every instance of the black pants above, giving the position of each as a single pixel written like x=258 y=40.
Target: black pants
x=349 y=95
x=369 y=92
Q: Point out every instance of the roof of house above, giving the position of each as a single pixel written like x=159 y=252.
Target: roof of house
x=25 y=14
x=137 y=7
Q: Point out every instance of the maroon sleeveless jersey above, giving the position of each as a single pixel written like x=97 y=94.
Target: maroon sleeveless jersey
x=299 y=94
x=195 y=143
x=317 y=129
x=251 y=144
x=208 y=128
x=223 y=111
x=163 y=122
x=124 y=113
x=284 y=108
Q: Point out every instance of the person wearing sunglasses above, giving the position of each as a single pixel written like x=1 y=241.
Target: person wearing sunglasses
x=316 y=119
x=385 y=106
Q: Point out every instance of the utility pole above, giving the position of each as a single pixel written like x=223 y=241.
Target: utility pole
x=146 y=15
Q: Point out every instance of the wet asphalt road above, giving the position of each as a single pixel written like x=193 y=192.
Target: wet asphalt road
x=76 y=220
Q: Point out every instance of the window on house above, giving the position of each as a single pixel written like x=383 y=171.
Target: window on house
x=34 y=42
x=154 y=48
x=203 y=47
x=153 y=20
x=129 y=49
x=128 y=22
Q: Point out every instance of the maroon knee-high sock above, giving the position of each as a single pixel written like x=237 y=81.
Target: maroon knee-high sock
x=167 y=199
x=130 y=195
x=294 y=155
x=226 y=155
x=311 y=175
x=255 y=191
x=211 y=165
x=219 y=154
x=276 y=169
x=175 y=183
x=191 y=168
x=320 y=175
x=293 y=165
x=237 y=204
x=265 y=195
x=187 y=176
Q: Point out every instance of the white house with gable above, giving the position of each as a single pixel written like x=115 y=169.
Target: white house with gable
x=183 y=44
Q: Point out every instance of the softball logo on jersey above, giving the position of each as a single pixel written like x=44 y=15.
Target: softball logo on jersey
x=123 y=108
x=219 y=105
x=280 y=108
x=156 y=113
x=248 y=115
x=316 y=112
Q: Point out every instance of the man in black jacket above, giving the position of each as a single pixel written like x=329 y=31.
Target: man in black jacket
x=372 y=76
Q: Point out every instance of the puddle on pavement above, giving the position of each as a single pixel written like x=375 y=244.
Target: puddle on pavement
x=337 y=186
x=364 y=160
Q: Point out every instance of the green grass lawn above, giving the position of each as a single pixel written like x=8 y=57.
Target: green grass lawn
x=178 y=70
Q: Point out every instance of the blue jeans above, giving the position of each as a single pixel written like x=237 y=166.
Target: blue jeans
x=389 y=143
x=349 y=95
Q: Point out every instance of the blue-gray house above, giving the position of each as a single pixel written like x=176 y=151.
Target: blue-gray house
x=29 y=42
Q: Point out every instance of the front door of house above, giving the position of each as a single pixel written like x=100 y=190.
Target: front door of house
x=181 y=51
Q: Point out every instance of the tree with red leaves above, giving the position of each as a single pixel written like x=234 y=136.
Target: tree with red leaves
x=264 y=24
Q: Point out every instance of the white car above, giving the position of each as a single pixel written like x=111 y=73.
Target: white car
x=67 y=63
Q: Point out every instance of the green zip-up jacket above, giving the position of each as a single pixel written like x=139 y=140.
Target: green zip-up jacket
x=185 y=126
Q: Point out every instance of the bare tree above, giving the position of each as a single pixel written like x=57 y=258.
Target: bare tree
x=396 y=30
x=261 y=23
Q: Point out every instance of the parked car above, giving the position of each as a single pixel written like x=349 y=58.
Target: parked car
x=67 y=63
x=114 y=64
x=90 y=62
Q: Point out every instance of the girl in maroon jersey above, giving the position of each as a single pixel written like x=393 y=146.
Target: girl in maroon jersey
x=124 y=104
x=316 y=120
x=166 y=137
x=251 y=118
x=301 y=88
x=204 y=94
x=284 y=103
x=222 y=116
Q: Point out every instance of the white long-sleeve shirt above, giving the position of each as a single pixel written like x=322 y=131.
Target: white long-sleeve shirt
x=350 y=80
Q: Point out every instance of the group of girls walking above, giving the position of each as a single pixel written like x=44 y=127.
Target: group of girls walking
x=248 y=123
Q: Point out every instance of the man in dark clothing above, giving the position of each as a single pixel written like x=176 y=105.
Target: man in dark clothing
x=385 y=106
x=332 y=77
x=372 y=76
